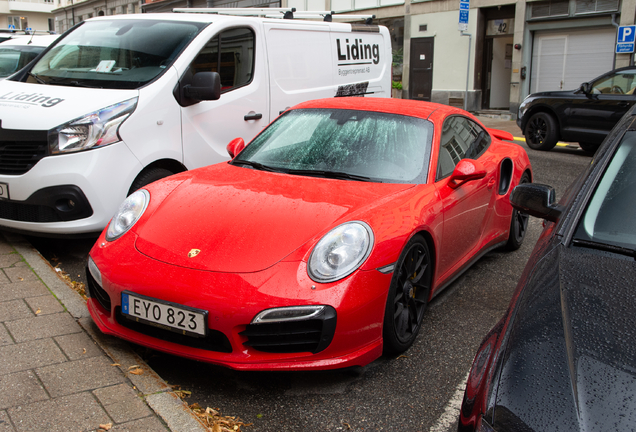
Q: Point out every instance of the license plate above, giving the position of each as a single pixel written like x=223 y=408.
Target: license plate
x=169 y=316
x=4 y=191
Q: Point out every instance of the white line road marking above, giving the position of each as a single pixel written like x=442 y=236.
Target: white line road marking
x=451 y=411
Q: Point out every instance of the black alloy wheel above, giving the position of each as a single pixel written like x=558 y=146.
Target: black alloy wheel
x=541 y=132
x=518 y=223
x=408 y=296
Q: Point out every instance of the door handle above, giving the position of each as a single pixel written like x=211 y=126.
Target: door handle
x=624 y=104
x=253 y=116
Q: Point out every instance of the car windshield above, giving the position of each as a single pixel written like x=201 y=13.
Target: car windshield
x=374 y=146
x=117 y=54
x=609 y=217
x=15 y=57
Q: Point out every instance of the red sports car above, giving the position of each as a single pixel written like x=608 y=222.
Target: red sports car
x=318 y=245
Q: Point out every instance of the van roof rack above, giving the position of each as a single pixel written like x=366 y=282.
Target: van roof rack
x=283 y=13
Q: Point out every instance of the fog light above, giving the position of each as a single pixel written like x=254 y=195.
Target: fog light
x=292 y=313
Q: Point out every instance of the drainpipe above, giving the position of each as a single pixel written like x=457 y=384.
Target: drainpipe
x=470 y=38
x=615 y=24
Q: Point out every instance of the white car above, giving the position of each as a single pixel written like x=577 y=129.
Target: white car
x=19 y=51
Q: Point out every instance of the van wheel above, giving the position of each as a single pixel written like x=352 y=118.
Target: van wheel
x=589 y=147
x=408 y=296
x=148 y=176
x=518 y=224
x=541 y=132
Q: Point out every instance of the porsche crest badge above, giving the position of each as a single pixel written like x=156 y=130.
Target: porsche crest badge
x=193 y=253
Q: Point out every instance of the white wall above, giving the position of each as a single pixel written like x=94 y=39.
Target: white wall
x=451 y=49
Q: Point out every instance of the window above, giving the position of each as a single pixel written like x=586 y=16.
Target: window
x=619 y=83
x=461 y=139
x=18 y=22
x=231 y=54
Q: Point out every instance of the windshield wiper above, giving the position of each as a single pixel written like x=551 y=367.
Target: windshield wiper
x=256 y=165
x=74 y=83
x=37 y=78
x=604 y=247
x=329 y=174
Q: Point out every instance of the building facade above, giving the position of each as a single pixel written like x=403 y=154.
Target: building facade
x=27 y=14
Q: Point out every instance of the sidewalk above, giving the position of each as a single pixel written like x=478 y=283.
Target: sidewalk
x=58 y=372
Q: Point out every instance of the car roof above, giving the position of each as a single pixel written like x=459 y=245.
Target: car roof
x=405 y=107
x=35 y=40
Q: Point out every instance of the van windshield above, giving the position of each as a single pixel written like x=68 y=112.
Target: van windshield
x=117 y=54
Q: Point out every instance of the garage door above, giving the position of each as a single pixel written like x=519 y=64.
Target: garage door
x=562 y=60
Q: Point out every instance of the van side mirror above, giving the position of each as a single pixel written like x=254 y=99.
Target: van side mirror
x=536 y=200
x=235 y=147
x=466 y=170
x=204 y=86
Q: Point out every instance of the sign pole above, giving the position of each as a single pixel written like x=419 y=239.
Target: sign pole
x=464 y=9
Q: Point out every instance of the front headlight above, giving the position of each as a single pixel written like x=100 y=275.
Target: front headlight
x=96 y=129
x=340 y=252
x=129 y=212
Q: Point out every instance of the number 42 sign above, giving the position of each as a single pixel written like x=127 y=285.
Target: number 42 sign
x=625 y=39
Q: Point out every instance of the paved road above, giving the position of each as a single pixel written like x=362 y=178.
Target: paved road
x=410 y=392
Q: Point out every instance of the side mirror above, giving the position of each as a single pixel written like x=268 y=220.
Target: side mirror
x=536 y=200
x=466 y=170
x=205 y=86
x=235 y=147
x=585 y=88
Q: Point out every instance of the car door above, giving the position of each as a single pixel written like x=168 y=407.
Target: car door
x=241 y=111
x=609 y=98
x=465 y=207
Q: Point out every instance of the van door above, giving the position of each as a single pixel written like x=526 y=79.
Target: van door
x=243 y=108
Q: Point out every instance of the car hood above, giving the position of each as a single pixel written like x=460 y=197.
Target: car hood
x=244 y=220
x=554 y=94
x=570 y=361
x=21 y=103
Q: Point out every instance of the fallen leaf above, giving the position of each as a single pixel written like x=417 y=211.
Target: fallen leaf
x=133 y=367
x=115 y=364
x=20 y=278
x=106 y=426
x=137 y=371
x=83 y=350
x=38 y=311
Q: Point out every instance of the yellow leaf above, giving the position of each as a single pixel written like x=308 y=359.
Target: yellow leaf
x=133 y=367
x=115 y=364
x=38 y=311
x=137 y=371
x=106 y=426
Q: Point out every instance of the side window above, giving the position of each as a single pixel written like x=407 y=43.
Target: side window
x=231 y=54
x=461 y=138
x=618 y=83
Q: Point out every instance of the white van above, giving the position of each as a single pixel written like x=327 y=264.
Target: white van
x=120 y=101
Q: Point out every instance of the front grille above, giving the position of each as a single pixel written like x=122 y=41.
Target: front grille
x=312 y=335
x=214 y=341
x=19 y=211
x=20 y=150
x=98 y=293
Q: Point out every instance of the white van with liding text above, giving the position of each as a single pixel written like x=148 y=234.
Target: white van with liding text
x=120 y=101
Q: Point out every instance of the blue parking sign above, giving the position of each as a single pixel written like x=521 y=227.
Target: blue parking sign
x=625 y=39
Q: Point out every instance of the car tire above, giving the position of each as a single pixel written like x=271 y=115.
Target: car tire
x=148 y=176
x=408 y=296
x=518 y=223
x=588 y=147
x=541 y=132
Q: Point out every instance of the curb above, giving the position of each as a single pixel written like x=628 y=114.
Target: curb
x=157 y=393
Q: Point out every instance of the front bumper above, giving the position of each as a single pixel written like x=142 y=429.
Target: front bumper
x=69 y=194
x=232 y=301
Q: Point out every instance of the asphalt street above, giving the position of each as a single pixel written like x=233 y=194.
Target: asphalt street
x=411 y=392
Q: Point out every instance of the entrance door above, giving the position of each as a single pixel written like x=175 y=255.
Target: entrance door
x=421 y=69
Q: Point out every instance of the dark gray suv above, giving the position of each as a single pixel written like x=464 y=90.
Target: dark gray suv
x=585 y=115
